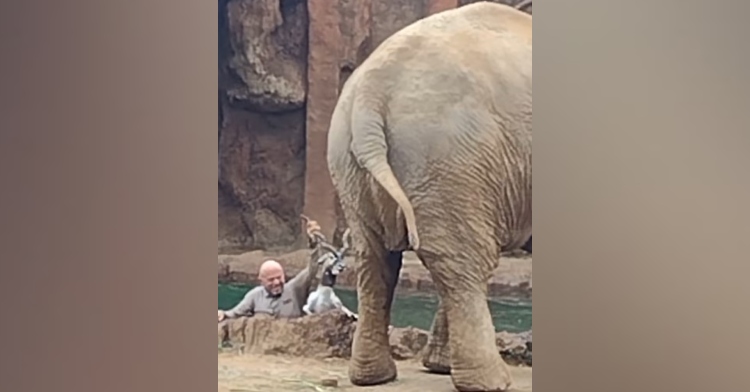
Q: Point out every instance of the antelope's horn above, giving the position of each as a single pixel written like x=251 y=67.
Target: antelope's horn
x=318 y=236
x=345 y=239
x=321 y=259
x=328 y=247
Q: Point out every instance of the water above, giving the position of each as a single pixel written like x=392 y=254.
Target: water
x=412 y=310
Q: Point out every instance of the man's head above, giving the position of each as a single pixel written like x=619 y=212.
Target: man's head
x=271 y=276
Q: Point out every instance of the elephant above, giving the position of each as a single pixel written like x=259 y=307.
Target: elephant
x=429 y=150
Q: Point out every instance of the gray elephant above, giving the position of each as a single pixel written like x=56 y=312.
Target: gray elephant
x=429 y=149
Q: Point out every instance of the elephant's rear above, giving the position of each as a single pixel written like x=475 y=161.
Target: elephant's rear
x=422 y=104
x=460 y=124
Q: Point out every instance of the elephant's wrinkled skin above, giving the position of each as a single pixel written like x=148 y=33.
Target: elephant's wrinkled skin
x=430 y=148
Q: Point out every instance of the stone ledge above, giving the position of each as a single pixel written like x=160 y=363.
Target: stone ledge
x=330 y=335
x=511 y=279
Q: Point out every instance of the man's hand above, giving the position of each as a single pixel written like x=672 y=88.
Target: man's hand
x=314 y=232
x=311 y=227
x=222 y=315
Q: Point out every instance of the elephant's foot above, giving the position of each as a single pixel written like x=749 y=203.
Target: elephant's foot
x=491 y=376
x=371 y=362
x=373 y=371
x=437 y=359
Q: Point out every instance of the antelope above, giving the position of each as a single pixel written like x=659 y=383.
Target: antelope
x=324 y=299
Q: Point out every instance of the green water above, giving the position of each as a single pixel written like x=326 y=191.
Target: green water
x=412 y=310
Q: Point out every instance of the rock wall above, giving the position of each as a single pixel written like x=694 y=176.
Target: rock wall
x=262 y=97
x=330 y=334
x=282 y=64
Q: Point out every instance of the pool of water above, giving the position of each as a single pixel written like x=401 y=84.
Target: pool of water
x=412 y=310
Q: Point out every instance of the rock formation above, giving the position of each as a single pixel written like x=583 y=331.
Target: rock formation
x=263 y=82
x=329 y=335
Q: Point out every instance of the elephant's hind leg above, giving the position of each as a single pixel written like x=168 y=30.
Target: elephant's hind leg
x=377 y=274
x=437 y=357
x=460 y=277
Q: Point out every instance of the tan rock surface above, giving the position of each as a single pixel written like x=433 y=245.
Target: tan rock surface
x=330 y=335
x=262 y=81
x=269 y=49
x=315 y=336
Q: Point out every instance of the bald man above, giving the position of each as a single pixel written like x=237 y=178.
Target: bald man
x=274 y=296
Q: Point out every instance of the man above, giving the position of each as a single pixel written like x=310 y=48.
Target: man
x=274 y=296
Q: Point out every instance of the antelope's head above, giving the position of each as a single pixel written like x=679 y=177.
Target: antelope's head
x=332 y=258
x=325 y=254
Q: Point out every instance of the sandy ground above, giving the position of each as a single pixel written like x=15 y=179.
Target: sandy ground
x=250 y=373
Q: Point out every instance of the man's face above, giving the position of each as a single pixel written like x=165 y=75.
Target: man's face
x=272 y=278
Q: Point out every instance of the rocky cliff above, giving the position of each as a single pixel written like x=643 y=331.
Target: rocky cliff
x=281 y=66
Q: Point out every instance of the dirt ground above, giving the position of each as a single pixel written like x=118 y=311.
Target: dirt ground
x=267 y=373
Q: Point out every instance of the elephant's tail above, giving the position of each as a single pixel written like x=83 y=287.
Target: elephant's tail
x=370 y=150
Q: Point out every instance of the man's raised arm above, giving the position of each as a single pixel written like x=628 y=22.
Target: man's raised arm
x=302 y=283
